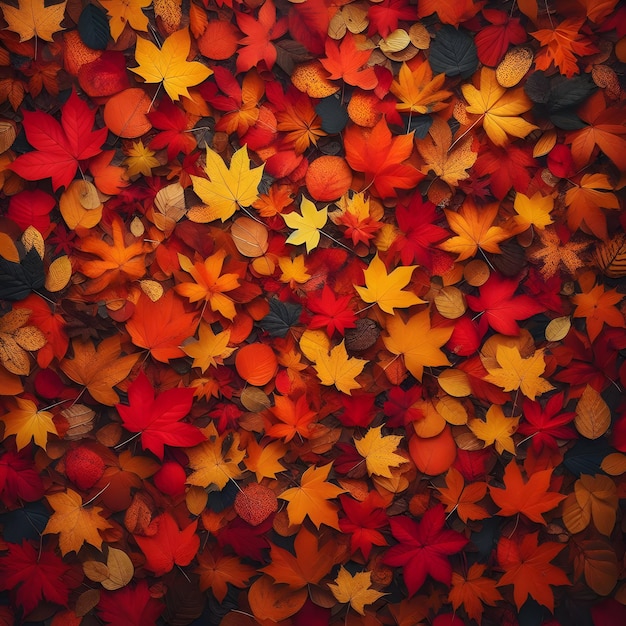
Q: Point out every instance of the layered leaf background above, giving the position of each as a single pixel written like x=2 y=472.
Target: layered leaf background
x=312 y=313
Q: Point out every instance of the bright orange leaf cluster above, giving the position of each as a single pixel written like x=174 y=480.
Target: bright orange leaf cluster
x=312 y=312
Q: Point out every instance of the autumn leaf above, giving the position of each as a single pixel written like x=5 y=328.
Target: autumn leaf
x=472 y=591
x=362 y=521
x=546 y=424
x=264 y=460
x=209 y=349
x=17 y=337
x=28 y=423
x=386 y=289
x=294 y=418
x=355 y=589
x=124 y=12
x=99 y=368
x=417 y=342
x=474 y=230
x=331 y=311
x=169 y=546
x=553 y=253
x=533 y=211
x=311 y=498
x=500 y=108
x=598 y=495
x=379 y=451
x=516 y=372
x=168 y=64
x=218 y=570
x=527 y=567
x=462 y=498
x=228 y=188
x=32 y=18
x=496 y=429
x=74 y=523
x=347 y=62
x=338 y=369
x=530 y=498
x=216 y=460
x=307 y=226
x=418 y=91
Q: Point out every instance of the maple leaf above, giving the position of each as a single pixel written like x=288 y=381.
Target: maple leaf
x=346 y=61
x=169 y=546
x=331 y=311
x=218 y=570
x=385 y=16
x=257 y=44
x=307 y=225
x=493 y=41
x=59 y=148
x=527 y=567
x=309 y=563
x=449 y=12
x=359 y=215
x=552 y=252
x=337 y=368
x=448 y=161
x=462 y=498
x=501 y=307
x=32 y=18
x=157 y=417
x=28 y=423
x=99 y=368
x=209 y=349
x=241 y=103
x=385 y=289
x=263 y=460
x=296 y=418
x=472 y=591
x=597 y=305
x=499 y=107
x=175 y=124
x=361 y=521
x=216 y=460
x=533 y=211
x=417 y=342
x=380 y=157
x=228 y=188
x=210 y=284
x=75 y=524
x=530 y=498
x=496 y=429
x=124 y=12
x=19 y=480
x=312 y=497
x=561 y=45
x=423 y=548
x=585 y=202
x=130 y=606
x=474 y=230
x=418 y=91
x=33 y=576
x=355 y=589
x=379 y=451
x=545 y=424
x=168 y=64
x=520 y=373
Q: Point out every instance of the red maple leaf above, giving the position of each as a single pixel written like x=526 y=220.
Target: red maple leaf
x=423 y=548
x=33 y=576
x=544 y=424
x=157 y=418
x=346 y=61
x=362 y=521
x=332 y=312
x=358 y=409
x=59 y=148
x=384 y=17
x=175 y=126
x=506 y=168
x=493 y=41
x=399 y=406
x=169 y=546
x=129 y=606
x=501 y=307
x=19 y=479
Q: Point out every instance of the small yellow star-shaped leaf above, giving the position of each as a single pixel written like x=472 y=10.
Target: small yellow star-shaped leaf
x=379 y=452
x=26 y=423
x=307 y=225
x=209 y=349
x=355 y=589
x=337 y=368
x=496 y=429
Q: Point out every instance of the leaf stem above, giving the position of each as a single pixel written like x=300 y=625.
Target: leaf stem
x=84 y=504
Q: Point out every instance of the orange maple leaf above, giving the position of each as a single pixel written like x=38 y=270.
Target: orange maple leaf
x=294 y=417
x=456 y=496
x=472 y=591
x=418 y=91
x=218 y=570
x=530 y=498
x=345 y=61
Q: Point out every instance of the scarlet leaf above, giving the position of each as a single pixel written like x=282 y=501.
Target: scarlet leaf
x=362 y=521
x=130 y=606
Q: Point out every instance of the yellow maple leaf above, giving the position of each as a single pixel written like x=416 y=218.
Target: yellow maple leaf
x=228 y=188
x=75 y=524
x=32 y=18
x=355 y=589
x=307 y=225
x=26 y=423
x=533 y=211
x=216 y=460
x=140 y=160
x=379 y=451
x=209 y=349
x=263 y=460
x=499 y=107
x=168 y=65
x=418 y=91
x=474 y=230
x=124 y=12
x=496 y=429
x=312 y=497
x=417 y=342
x=337 y=368
x=516 y=372
x=384 y=289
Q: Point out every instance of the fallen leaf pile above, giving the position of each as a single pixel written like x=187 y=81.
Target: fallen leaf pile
x=312 y=313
